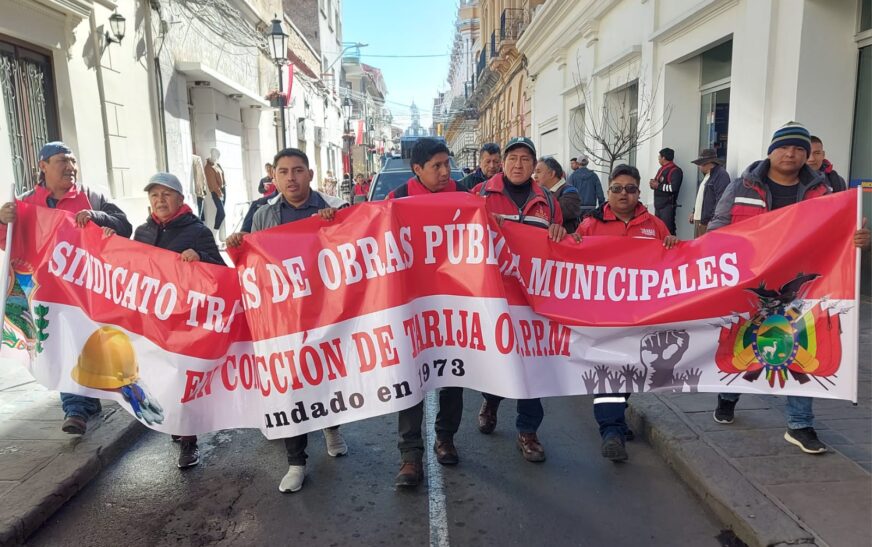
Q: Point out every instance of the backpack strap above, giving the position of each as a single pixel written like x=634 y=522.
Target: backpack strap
x=550 y=199
x=95 y=199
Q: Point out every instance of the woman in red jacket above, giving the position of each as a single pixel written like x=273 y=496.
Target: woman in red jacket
x=621 y=215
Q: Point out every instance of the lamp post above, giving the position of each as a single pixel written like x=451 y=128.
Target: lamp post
x=347 y=110
x=278 y=41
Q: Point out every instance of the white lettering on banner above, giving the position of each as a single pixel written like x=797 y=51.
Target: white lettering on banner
x=129 y=289
x=618 y=284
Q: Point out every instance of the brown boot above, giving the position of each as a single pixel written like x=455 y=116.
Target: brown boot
x=411 y=474
x=530 y=447
x=446 y=452
x=487 y=417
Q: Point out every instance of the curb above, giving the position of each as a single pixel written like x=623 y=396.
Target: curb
x=753 y=516
x=24 y=509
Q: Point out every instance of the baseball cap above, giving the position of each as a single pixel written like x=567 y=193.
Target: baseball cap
x=520 y=141
x=50 y=149
x=165 y=179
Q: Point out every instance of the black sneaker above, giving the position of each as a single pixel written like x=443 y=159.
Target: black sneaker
x=189 y=454
x=613 y=448
x=806 y=439
x=725 y=411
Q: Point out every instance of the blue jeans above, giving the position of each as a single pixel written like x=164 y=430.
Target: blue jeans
x=609 y=413
x=79 y=405
x=530 y=412
x=800 y=413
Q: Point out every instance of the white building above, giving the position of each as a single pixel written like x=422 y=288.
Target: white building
x=187 y=77
x=459 y=122
x=730 y=72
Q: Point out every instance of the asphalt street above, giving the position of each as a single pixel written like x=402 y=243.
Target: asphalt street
x=493 y=497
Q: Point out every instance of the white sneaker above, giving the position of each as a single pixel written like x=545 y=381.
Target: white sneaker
x=336 y=445
x=293 y=479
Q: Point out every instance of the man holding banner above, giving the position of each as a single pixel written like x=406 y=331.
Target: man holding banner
x=622 y=215
x=58 y=188
x=514 y=195
x=782 y=179
x=296 y=201
x=432 y=167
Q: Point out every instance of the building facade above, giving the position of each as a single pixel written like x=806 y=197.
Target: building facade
x=459 y=122
x=188 y=77
x=501 y=96
x=368 y=128
x=720 y=74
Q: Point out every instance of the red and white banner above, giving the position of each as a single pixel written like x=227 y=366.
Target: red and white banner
x=325 y=323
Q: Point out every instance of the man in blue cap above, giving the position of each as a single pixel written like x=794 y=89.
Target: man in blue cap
x=58 y=188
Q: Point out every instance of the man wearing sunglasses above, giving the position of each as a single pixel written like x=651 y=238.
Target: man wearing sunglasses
x=621 y=215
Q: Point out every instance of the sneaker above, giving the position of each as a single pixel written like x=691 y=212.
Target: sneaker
x=411 y=474
x=725 y=411
x=336 y=445
x=189 y=454
x=74 y=425
x=176 y=438
x=806 y=439
x=613 y=449
x=530 y=447
x=446 y=452
x=293 y=479
x=487 y=417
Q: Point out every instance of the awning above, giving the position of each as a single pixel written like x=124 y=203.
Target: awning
x=196 y=71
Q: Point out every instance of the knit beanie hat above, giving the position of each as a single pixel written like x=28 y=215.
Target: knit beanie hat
x=791 y=134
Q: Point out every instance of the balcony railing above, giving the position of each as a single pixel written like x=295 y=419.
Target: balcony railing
x=513 y=21
x=482 y=59
x=493 y=44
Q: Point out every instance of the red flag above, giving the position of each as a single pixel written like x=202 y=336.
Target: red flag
x=290 y=83
x=359 y=132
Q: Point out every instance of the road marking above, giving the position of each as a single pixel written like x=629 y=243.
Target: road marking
x=438 y=513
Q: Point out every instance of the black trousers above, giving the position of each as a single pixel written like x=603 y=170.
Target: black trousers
x=296 y=447
x=411 y=420
x=666 y=213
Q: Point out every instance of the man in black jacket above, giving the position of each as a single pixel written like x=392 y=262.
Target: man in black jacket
x=666 y=185
x=715 y=181
x=490 y=162
x=172 y=225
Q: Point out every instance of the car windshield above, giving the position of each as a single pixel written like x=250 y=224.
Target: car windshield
x=387 y=181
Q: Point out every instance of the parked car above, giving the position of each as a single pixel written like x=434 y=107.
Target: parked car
x=395 y=172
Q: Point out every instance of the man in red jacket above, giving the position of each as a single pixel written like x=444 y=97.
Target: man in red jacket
x=432 y=167
x=622 y=215
x=514 y=195
x=58 y=188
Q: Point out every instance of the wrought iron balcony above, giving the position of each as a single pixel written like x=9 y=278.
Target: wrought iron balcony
x=513 y=21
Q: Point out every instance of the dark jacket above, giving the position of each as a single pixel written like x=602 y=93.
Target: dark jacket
x=748 y=195
x=717 y=183
x=180 y=234
x=590 y=190
x=252 y=209
x=570 y=206
x=473 y=179
x=836 y=182
x=669 y=178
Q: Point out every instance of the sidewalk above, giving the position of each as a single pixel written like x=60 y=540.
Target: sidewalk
x=41 y=467
x=768 y=491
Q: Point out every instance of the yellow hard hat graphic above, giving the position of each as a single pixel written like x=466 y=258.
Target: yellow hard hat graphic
x=107 y=361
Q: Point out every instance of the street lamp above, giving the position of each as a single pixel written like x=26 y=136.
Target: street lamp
x=347 y=111
x=118 y=24
x=357 y=45
x=278 y=41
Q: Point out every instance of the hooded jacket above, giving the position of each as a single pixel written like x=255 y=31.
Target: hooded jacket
x=540 y=209
x=748 y=196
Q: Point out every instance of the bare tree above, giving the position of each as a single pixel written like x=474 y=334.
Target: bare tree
x=626 y=118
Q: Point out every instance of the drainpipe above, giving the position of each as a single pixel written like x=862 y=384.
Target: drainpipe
x=156 y=90
x=96 y=42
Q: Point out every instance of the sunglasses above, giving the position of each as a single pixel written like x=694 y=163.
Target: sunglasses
x=617 y=188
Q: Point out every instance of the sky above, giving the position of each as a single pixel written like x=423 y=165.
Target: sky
x=404 y=27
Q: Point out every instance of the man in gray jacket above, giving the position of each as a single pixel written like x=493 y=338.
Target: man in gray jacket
x=589 y=188
x=295 y=201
